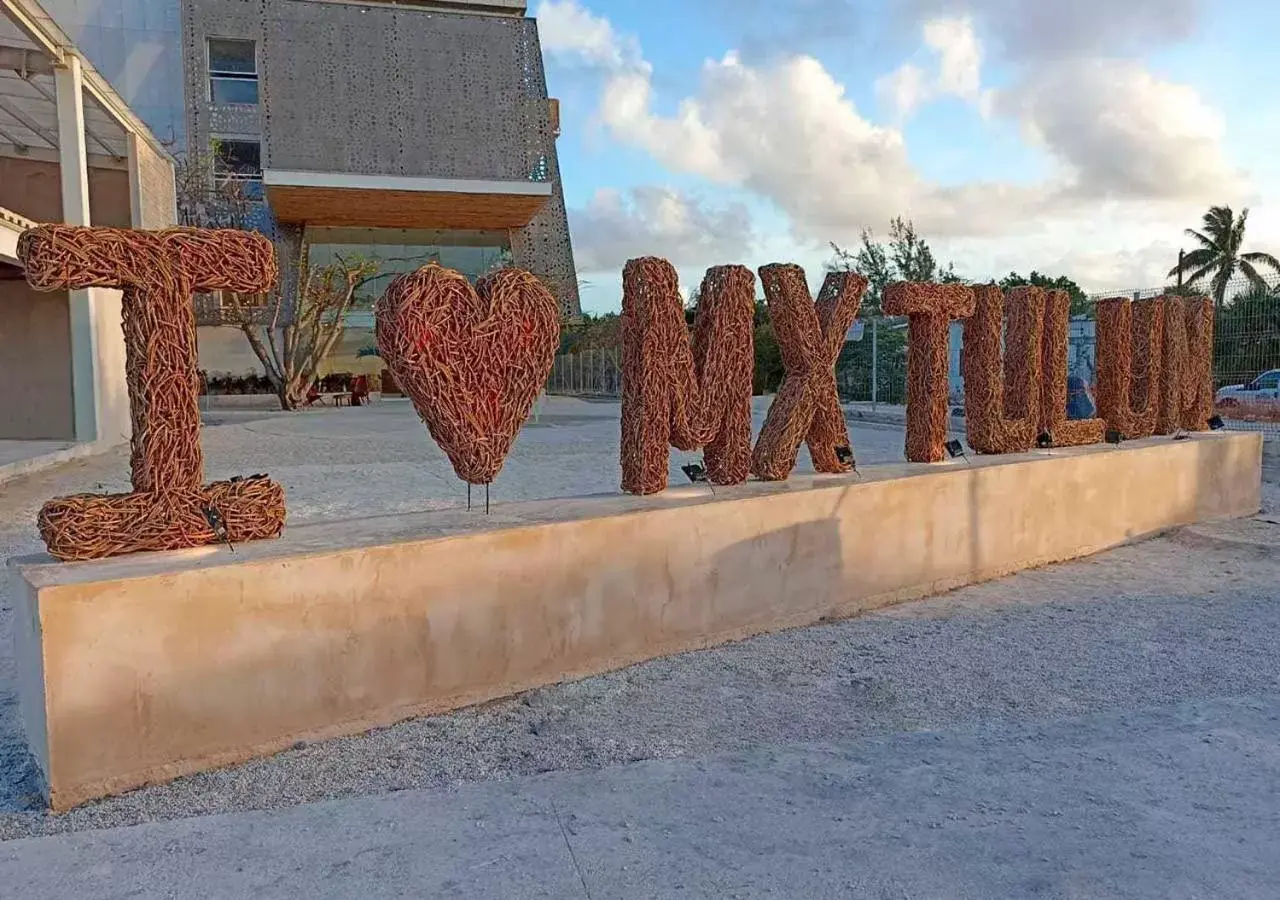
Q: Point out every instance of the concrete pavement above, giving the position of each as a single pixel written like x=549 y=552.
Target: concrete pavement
x=1180 y=801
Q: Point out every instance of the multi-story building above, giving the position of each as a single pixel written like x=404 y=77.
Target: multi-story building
x=398 y=131
x=71 y=152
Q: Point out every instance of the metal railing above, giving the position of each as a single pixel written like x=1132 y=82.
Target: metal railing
x=588 y=373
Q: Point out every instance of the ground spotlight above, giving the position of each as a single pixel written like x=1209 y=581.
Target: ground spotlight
x=845 y=455
x=954 y=448
x=1216 y=423
x=695 y=473
x=218 y=524
x=1113 y=436
x=1044 y=440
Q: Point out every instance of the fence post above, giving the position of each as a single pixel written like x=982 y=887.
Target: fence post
x=875 y=360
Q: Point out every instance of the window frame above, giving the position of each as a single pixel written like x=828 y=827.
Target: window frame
x=254 y=77
x=255 y=177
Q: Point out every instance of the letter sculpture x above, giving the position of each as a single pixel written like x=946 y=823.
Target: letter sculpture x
x=169 y=508
x=810 y=337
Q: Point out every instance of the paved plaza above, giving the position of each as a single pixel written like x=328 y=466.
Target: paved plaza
x=1108 y=727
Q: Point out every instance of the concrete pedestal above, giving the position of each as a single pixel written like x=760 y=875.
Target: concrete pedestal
x=144 y=668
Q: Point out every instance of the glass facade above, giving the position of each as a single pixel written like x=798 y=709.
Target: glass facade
x=137 y=46
x=397 y=251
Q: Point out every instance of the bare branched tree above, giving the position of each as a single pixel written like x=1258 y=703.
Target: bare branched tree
x=301 y=330
x=292 y=329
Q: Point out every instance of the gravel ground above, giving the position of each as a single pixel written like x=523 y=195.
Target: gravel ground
x=1177 y=618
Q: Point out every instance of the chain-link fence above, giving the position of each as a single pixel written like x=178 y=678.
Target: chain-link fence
x=872 y=367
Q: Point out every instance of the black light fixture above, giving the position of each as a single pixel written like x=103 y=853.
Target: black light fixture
x=954 y=448
x=695 y=473
x=1044 y=440
x=1113 y=436
x=218 y=524
x=845 y=455
x=1216 y=423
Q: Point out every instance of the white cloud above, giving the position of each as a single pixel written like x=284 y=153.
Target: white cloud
x=1125 y=132
x=658 y=221
x=905 y=90
x=569 y=32
x=958 y=57
x=1040 y=30
x=1128 y=147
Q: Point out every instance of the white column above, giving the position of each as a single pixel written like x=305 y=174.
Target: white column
x=135 y=182
x=73 y=162
x=71 y=151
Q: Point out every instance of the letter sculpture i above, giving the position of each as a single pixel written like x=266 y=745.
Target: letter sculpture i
x=169 y=508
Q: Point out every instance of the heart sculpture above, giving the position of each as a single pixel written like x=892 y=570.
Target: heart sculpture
x=472 y=360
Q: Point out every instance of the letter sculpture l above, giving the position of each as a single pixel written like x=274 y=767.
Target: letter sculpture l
x=157 y=272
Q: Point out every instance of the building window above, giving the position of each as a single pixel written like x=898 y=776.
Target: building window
x=239 y=161
x=233 y=72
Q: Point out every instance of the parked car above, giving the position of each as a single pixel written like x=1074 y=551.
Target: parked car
x=1262 y=391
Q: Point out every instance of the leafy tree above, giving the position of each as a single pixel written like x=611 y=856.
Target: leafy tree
x=911 y=255
x=1079 y=299
x=1247 y=336
x=906 y=257
x=872 y=262
x=1220 y=254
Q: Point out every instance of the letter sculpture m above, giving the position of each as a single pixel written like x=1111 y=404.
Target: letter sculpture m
x=157 y=272
x=691 y=395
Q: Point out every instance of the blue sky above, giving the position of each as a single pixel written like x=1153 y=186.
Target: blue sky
x=1076 y=138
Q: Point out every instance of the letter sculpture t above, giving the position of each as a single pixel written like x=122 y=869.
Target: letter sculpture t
x=169 y=508
x=930 y=309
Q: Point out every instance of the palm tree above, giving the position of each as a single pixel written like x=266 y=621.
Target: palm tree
x=1219 y=254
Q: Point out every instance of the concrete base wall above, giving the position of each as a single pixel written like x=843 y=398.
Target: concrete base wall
x=145 y=668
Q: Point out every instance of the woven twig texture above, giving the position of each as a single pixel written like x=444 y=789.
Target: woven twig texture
x=1053 y=387
x=930 y=309
x=1130 y=341
x=1002 y=409
x=810 y=335
x=1186 y=371
x=472 y=359
x=691 y=395
x=157 y=273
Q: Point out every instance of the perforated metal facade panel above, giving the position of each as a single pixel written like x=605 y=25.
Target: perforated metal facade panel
x=393 y=90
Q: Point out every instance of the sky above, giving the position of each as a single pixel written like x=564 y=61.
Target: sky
x=1074 y=137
